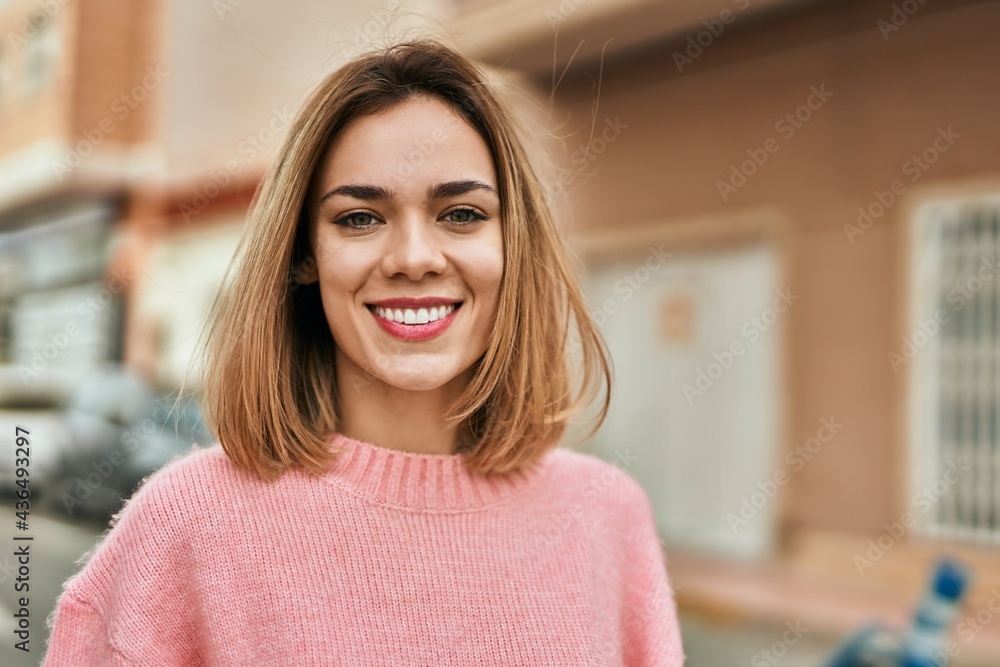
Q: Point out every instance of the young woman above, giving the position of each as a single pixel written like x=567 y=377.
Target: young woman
x=388 y=377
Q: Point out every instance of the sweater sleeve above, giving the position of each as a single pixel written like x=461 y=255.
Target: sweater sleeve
x=651 y=628
x=131 y=603
x=79 y=637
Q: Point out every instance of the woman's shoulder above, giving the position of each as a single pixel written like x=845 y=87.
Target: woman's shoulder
x=576 y=462
x=149 y=527
x=141 y=564
x=166 y=501
x=199 y=467
x=199 y=459
x=588 y=474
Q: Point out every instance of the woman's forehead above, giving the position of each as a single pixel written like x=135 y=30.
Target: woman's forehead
x=407 y=148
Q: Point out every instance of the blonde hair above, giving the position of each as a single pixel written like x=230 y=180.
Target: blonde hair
x=268 y=378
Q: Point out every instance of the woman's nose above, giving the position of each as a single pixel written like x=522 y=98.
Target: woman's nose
x=415 y=247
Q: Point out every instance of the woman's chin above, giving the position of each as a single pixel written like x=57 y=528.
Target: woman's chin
x=416 y=380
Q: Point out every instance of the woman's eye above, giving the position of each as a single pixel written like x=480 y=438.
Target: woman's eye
x=362 y=220
x=464 y=215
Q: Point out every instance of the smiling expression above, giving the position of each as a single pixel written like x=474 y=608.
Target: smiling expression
x=406 y=233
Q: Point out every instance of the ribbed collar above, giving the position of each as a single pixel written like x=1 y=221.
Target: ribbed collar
x=422 y=482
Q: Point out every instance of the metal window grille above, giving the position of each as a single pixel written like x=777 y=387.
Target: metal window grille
x=953 y=348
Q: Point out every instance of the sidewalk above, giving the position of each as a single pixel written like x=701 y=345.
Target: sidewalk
x=753 y=605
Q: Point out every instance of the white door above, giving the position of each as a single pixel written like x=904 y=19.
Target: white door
x=696 y=341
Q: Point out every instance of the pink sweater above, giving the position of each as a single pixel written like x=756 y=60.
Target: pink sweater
x=388 y=558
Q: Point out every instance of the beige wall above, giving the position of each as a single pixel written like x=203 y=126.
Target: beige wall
x=240 y=69
x=101 y=51
x=26 y=118
x=116 y=43
x=686 y=129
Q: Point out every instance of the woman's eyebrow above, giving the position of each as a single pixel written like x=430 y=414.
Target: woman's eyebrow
x=359 y=191
x=455 y=188
x=378 y=193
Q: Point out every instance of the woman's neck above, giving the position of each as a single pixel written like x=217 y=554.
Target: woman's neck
x=411 y=421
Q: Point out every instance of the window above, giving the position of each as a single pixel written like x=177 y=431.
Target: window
x=952 y=349
x=40 y=56
x=55 y=309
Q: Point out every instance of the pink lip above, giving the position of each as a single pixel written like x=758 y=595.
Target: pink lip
x=414 y=332
x=415 y=302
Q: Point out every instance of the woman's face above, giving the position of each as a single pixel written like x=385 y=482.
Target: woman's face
x=406 y=233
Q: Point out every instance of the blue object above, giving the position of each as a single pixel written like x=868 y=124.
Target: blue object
x=924 y=645
x=874 y=645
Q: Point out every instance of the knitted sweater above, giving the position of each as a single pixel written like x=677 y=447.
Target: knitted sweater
x=387 y=558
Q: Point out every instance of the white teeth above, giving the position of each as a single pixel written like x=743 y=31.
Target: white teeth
x=415 y=315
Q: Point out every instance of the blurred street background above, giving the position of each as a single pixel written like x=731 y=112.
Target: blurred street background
x=786 y=214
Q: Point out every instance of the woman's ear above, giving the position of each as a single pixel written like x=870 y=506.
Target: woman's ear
x=305 y=272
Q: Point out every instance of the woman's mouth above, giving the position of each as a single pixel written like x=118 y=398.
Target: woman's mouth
x=414 y=315
x=415 y=323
